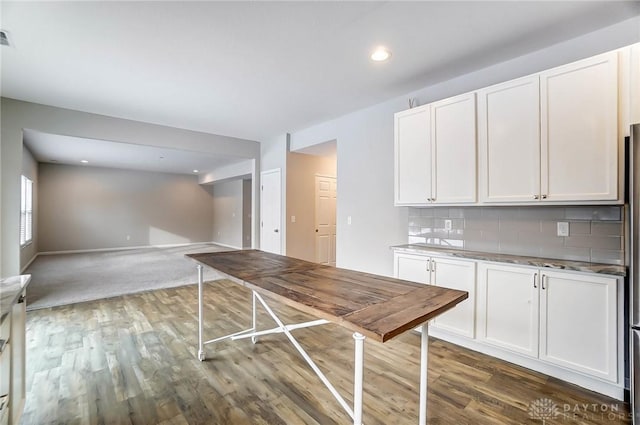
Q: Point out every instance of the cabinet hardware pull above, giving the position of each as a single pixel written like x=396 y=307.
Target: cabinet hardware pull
x=21 y=299
x=433 y=265
x=543 y=288
x=535 y=276
x=544 y=196
x=535 y=197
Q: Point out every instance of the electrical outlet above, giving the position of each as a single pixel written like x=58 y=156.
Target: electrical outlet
x=447 y=225
x=293 y=218
x=128 y=237
x=563 y=228
x=349 y=220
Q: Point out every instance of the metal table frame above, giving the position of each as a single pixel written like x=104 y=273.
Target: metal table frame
x=356 y=412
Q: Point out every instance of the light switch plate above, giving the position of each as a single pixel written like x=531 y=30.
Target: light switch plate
x=563 y=228
x=447 y=225
x=349 y=220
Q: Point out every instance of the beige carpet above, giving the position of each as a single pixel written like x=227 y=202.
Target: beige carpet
x=63 y=279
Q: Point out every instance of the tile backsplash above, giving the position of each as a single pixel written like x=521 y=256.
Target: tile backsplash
x=596 y=233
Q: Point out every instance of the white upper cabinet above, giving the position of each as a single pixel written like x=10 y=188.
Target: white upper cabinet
x=579 y=130
x=634 y=85
x=551 y=137
x=509 y=141
x=413 y=156
x=453 y=146
x=435 y=153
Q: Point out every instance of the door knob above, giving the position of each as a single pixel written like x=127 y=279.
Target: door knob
x=275 y=230
x=316 y=230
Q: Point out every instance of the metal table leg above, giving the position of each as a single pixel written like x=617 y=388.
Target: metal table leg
x=358 y=378
x=424 y=351
x=200 y=317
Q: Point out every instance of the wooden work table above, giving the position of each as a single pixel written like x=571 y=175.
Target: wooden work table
x=378 y=307
x=372 y=306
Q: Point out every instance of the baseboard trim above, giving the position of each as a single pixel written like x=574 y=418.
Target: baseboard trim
x=227 y=245
x=29 y=263
x=80 y=251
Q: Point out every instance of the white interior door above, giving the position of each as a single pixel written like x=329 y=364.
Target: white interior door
x=271 y=211
x=326 y=189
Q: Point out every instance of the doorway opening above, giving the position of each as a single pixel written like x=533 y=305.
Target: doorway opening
x=311 y=203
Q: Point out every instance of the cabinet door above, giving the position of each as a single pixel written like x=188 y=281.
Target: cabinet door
x=509 y=141
x=456 y=274
x=412 y=156
x=414 y=268
x=579 y=126
x=453 y=147
x=508 y=307
x=634 y=85
x=578 y=328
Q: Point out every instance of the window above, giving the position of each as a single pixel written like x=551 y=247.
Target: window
x=26 y=212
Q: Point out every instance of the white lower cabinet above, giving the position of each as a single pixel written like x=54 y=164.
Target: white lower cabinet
x=563 y=318
x=578 y=323
x=449 y=273
x=508 y=308
x=562 y=323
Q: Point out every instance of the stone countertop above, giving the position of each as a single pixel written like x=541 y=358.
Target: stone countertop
x=10 y=290
x=579 y=266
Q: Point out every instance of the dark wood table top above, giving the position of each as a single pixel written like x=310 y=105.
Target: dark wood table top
x=375 y=306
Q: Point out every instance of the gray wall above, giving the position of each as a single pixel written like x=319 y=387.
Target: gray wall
x=30 y=170
x=247 y=212
x=595 y=233
x=98 y=208
x=17 y=115
x=228 y=220
x=365 y=147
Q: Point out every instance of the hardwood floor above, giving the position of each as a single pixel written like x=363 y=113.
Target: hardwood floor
x=132 y=360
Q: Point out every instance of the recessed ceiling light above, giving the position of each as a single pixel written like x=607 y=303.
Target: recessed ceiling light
x=381 y=54
x=84 y=161
x=195 y=171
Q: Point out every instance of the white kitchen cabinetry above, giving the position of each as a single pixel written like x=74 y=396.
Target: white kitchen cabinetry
x=634 y=85
x=509 y=141
x=567 y=319
x=12 y=348
x=413 y=156
x=448 y=273
x=453 y=146
x=508 y=308
x=435 y=153
x=579 y=130
x=578 y=323
x=551 y=136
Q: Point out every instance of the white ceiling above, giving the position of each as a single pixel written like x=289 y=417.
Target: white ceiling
x=101 y=153
x=257 y=69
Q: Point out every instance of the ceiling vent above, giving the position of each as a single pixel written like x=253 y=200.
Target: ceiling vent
x=4 y=38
